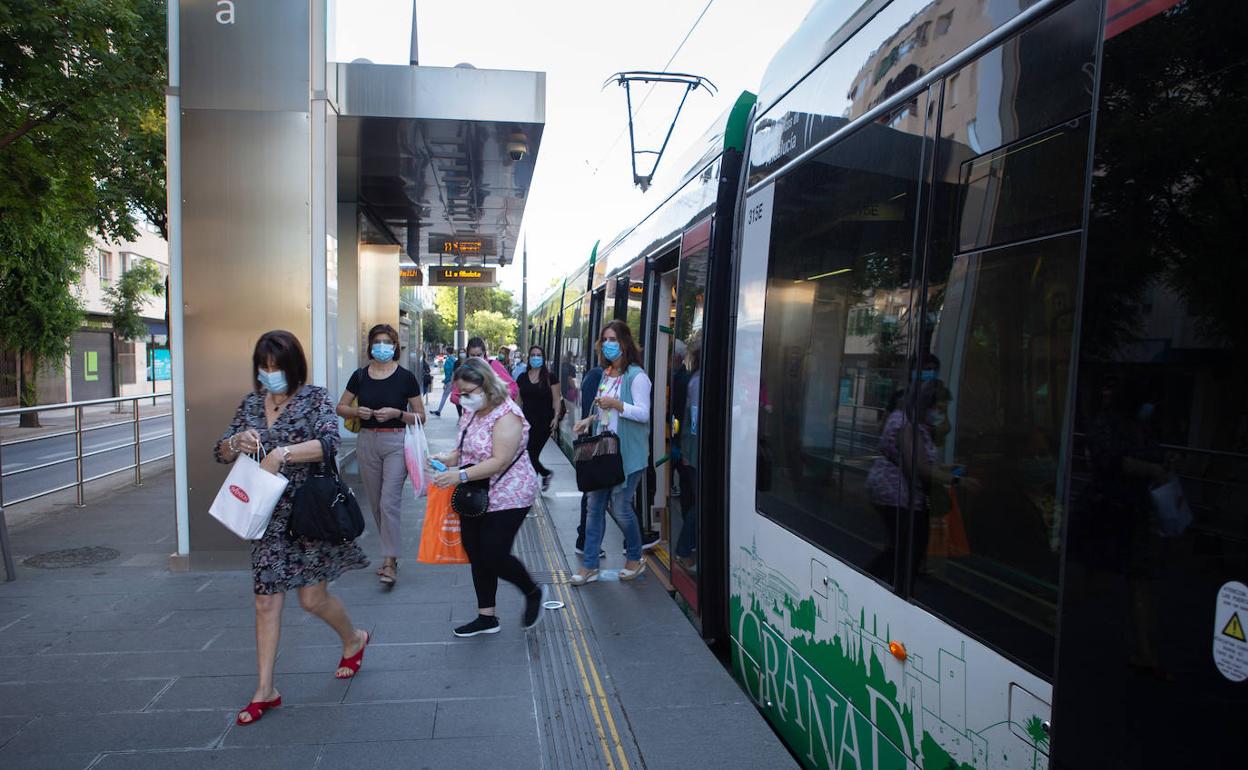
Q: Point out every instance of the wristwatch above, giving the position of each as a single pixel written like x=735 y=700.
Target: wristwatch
x=463 y=477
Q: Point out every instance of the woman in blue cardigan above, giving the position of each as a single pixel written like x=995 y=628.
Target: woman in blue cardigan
x=622 y=405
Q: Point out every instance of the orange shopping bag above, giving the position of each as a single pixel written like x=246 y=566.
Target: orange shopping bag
x=440 y=540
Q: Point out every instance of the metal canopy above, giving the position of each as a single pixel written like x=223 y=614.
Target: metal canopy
x=435 y=155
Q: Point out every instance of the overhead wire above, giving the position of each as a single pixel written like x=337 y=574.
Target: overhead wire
x=641 y=105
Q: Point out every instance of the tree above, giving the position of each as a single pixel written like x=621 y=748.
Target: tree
x=492 y=326
x=125 y=301
x=41 y=260
x=434 y=329
x=475 y=298
x=81 y=150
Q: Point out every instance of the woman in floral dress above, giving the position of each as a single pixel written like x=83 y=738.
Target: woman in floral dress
x=290 y=419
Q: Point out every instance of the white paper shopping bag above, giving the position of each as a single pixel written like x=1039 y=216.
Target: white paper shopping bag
x=246 y=500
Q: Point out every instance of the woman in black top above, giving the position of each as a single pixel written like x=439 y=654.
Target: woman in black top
x=539 y=398
x=389 y=400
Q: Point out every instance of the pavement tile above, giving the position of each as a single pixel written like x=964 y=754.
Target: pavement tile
x=24 y=644
x=287 y=758
x=54 y=668
x=337 y=724
x=85 y=621
x=225 y=692
x=379 y=657
x=512 y=752
x=244 y=617
x=437 y=682
x=10 y=726
x=117 y=732
x=707 y=736
x=244 y=637
x=149 y=640
x=74 y=761
x=477 y=717
x=78 y=697
x=134 y=665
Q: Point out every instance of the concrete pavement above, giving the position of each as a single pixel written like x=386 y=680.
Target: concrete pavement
x=121 y=663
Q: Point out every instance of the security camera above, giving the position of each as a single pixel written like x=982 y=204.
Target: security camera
x=517 y=147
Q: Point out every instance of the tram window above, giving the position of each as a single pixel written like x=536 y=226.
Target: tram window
x=572 y=357
x=1012 y=194
x=834 y=342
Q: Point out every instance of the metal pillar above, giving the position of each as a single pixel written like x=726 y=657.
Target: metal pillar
x=524 y=301
x=461 y=332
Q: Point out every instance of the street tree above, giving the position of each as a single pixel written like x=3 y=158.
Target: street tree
x=81 y=151
x=492 y=326
x=125 y=301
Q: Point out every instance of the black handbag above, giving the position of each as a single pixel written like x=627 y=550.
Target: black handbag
x=598 y=462
x=325 y=508
x=471 y=499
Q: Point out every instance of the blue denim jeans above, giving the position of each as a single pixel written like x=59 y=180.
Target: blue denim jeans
x=621 y=499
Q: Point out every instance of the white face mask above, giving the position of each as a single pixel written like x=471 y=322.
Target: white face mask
x=472 y=402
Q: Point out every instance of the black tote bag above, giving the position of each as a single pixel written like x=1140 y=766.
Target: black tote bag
x=325 y=508
x=598 y=462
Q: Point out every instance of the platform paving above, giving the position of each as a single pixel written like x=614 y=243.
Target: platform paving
x=125 y=664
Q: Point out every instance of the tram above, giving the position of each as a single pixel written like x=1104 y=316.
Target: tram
x=950 y=444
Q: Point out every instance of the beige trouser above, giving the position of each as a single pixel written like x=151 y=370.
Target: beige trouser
x=380 y=457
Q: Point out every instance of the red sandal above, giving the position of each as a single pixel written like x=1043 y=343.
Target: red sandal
x=355 y=661
x=257 y=708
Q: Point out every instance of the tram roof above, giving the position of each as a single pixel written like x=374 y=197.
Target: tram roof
x=425 y=152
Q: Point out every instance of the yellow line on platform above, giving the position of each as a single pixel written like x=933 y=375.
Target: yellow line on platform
x=594 y=693
x=549 y=553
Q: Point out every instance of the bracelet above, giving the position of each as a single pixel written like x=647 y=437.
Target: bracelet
x=232 y=443
x=285 y=456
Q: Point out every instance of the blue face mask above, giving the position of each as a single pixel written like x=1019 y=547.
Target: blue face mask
x=383 y=351
x=536 y=362
x=611 y=350
x=927 y=375
x=274 y=382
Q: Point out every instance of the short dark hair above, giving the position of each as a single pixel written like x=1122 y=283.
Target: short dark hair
x=383 y=329
x=450 y=348
x=286 y=353
x=477 y=342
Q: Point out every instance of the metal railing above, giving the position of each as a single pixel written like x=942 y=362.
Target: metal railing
x=79 y=429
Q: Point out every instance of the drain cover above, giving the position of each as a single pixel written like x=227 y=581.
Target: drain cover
x=72 y=557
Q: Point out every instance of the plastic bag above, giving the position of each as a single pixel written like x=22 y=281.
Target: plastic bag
x=1174 y=515
x=440 y=538
x=245 y=502
x=415 y=455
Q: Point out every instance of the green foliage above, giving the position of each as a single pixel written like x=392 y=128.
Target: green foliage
x=82 y=111
x=41 y=260
x=126 y=299
x=435 y=330
x=475 y=298
x=492 y=326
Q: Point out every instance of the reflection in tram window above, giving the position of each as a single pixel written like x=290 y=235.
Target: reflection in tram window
x=683 y=415
x=834 y=339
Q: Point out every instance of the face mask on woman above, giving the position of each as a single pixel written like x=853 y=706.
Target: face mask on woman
x=383 y=351
x=536 y=362
x=935 y=418
x=274 y=382
x=611 y=350
x=472 y=402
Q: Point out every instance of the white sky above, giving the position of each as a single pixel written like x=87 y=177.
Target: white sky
x=582 y=189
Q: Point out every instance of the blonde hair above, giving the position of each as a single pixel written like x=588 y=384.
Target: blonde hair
x=477 y=372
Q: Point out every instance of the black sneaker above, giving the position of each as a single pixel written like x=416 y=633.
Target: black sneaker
x=484 y=624
x=533 y=607
x=650 y=540
x=435 y=413
x=580 y=551
x=546 y=482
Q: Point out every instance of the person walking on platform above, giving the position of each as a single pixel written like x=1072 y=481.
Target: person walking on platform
x=589 y=391
x=492 y=445
x=449 y=362
x=539 y=398
x=476 y=349
x=388 y=398
x=622 y=406
x=294 y=423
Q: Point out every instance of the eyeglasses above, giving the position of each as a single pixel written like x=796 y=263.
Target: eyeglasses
x=475 y=388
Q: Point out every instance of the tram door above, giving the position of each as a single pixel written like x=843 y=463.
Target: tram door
x=660 y=353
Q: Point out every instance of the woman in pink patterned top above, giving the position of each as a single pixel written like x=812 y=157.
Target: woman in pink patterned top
x=493 y=441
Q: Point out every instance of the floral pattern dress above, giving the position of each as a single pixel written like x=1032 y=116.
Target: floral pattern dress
x=278 y=562
x=518 y=487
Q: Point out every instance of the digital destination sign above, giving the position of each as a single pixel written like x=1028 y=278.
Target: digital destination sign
x=471 y=245
x=463 y=276
x=409 y=275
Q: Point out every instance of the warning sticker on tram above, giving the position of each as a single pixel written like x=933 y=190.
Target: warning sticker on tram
x=1230 y=643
